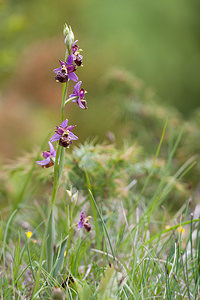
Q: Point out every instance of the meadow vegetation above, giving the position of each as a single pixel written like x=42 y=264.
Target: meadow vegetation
x=142 y=196
x=124 y=218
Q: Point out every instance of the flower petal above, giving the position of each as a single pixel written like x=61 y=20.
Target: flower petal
x=52 y=150
x=55 y=137
x=73 y=95
x=74 y=43
x=73 y=76
x=46 y=154
x=82 y=216
x=70 y=127
x=80 y=224
x=44 y=162
x=70 y=60
x=73 y=136
x=60 y=130
x=62 y=63
x=57 y=70
x=64 y=123
x=77 y=87
x=71 y=69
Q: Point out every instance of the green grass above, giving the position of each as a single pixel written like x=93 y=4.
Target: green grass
x=149 y=252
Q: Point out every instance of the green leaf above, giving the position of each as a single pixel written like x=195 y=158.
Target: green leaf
x=109 y=284
x=84 y=291
x=60 y=257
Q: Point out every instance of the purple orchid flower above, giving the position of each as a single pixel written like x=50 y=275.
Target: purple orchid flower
x=75 y=56
x=49 y=157
x=84 y=222
x=80 y=93
x=64 y=134
x=66 y=71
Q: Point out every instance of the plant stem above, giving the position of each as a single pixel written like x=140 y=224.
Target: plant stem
x=58 y=170
x=70 y=99
x=64 y=93
x=59 y=164
x=55 y=185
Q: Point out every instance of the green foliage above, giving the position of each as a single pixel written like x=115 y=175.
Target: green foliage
x=158 y=40
x=144 y=240
x=141 y=249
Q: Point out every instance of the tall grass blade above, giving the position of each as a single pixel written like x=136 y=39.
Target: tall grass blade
x=5 y=234
x=93 y=207
x=104 y=225
x=37 y=280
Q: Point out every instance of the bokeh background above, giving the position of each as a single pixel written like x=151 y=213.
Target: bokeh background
x=155 y=43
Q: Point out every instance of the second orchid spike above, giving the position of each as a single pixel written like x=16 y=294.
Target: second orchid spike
x=69 y=37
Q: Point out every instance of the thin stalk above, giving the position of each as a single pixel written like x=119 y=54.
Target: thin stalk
x=62 y=150
x=64 y=93
x=58 y=167
x=70 y=99
x=55 y=185
x=58 y=170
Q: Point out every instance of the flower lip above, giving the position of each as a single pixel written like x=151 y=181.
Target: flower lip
x=81 y=93
x=65 y=141
x=78 y=60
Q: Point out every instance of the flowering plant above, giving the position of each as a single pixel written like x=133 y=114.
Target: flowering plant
x=63 y=136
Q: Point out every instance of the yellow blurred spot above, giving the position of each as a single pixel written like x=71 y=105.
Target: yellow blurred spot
x=167 y=226
x=180 y=229
x=65 y=253
x=28 y=234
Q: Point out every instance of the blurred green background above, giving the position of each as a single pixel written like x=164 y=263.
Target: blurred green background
x=157 y=41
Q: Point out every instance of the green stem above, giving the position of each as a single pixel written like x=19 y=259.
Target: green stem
x=58 y=167
x=55 y=185
x=64 y=93
x=58 y=170
x=70 y=99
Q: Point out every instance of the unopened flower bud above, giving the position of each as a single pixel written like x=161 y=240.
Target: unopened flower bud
x=69 y=36
x=57 y=294
x=74 y=197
